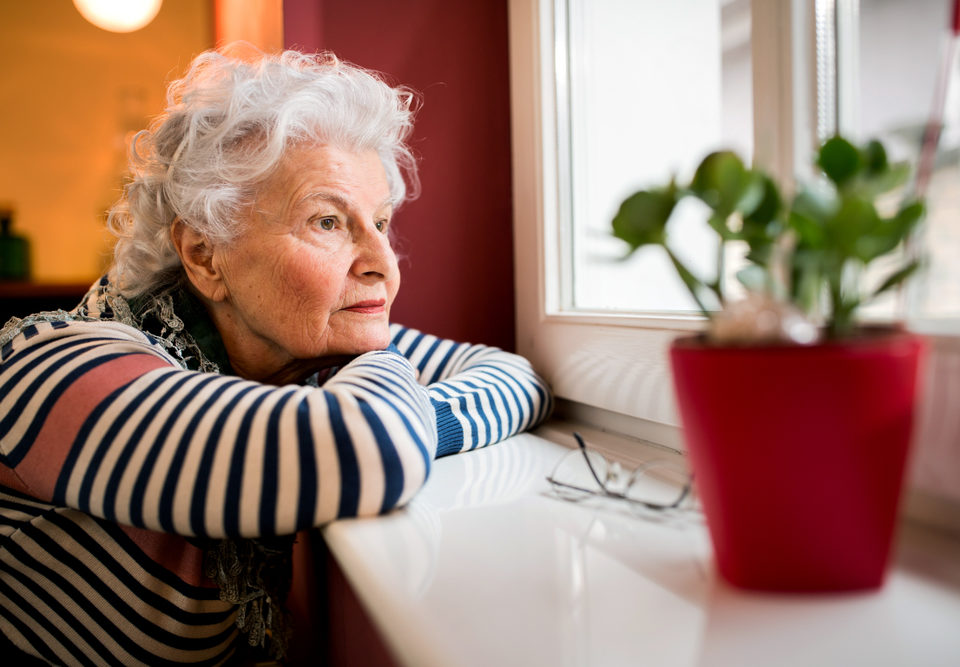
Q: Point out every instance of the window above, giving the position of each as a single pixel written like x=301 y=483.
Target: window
x=650 y=88
x=882 y=94
x=814 y=67
x=600 y=328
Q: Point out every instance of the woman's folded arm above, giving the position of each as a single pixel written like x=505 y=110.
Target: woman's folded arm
x=96 y=417
x=481 y=394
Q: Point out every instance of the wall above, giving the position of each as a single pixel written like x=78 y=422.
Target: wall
x=456 y=240
x=69 y=92
x=259 y=22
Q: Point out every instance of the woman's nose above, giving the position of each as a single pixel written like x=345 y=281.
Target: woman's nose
x=374 y=257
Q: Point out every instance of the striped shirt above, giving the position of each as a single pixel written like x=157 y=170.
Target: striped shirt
x=116 y=465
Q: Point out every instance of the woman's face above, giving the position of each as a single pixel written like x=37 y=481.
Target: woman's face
x=312 y=273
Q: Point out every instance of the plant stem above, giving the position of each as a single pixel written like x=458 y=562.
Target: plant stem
x=689 y=280
x=838 y=324
x=721 y=264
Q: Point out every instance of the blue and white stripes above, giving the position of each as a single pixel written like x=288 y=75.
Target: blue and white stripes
x=481 y=394
x=80 y=592
x=202 y=454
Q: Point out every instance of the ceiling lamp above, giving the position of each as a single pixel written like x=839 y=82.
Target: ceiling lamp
x=118 y=15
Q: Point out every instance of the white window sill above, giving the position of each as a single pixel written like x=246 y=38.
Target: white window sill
x=485 y=568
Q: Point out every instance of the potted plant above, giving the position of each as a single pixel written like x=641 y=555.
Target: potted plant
x=797 y=418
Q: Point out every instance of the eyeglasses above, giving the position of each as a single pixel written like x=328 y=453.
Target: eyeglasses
x=585 y=473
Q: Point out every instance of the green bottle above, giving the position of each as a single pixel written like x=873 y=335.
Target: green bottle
x=14 y=250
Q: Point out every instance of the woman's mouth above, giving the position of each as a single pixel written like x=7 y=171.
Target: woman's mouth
x=370 y=307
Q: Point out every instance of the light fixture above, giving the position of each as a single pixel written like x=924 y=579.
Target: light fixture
x=118 y=15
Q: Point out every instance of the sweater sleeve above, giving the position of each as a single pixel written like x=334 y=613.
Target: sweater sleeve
x=481 y=394
x=95 y=416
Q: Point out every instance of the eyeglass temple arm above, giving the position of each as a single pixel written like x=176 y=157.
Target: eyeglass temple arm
x=583 y=450
x=687 y=488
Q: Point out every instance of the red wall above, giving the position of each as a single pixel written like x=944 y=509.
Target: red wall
x=455 y=241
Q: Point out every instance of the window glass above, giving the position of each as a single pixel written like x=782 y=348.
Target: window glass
x=891 y=96
x=650 y=87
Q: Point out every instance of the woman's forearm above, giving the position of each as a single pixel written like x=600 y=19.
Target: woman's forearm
x=481 y=394
x=119 y=432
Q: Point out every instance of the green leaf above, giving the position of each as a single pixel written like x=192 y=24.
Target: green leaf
x=871 y=247
x=855 y=230
x=762 y=225
x=767 y=205
x=814 y=206
x=753 y=193
x=808 y=218
x=876 y=184
x=721 y=181
x=887 y=234
x=897 y=277
x=642 y=218
x=874 y=156
x=840 y=160
x=907 y=218
x=808 y=232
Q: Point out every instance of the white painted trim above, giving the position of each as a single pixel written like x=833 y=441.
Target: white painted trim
x=632 y=320
x=848 y=68
x=771 y=44
x=531 y=195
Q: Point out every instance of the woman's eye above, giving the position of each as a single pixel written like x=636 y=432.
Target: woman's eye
x=326 y=223
x=381 y=225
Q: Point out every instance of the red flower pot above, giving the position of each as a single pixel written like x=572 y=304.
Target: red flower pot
x=799 y=454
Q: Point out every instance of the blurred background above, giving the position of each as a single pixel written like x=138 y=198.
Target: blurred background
x=72 y=94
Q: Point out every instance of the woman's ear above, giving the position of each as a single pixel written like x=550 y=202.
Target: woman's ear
x=196 y=255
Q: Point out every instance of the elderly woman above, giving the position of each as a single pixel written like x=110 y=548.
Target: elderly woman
x=233 y=379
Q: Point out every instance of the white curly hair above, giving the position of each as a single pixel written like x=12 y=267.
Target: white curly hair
x=227 y=125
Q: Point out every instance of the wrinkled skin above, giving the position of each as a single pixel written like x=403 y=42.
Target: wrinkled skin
x=312 y=277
